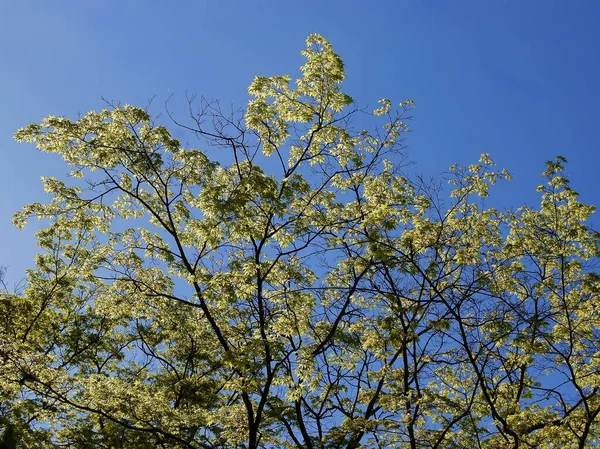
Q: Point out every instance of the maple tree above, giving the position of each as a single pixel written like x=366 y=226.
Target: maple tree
x=308 y=293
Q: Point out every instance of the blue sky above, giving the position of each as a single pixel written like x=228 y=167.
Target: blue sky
x=517 y=79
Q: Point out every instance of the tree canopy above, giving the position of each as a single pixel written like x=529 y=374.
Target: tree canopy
x=293 y=284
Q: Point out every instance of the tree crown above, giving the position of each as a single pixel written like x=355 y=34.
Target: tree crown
x=309 y=294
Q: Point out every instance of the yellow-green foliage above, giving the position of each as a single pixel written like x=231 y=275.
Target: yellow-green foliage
x=309 y=294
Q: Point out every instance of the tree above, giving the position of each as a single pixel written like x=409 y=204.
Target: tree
x=301 y=290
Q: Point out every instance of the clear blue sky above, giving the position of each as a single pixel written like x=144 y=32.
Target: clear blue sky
x=518 y=79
